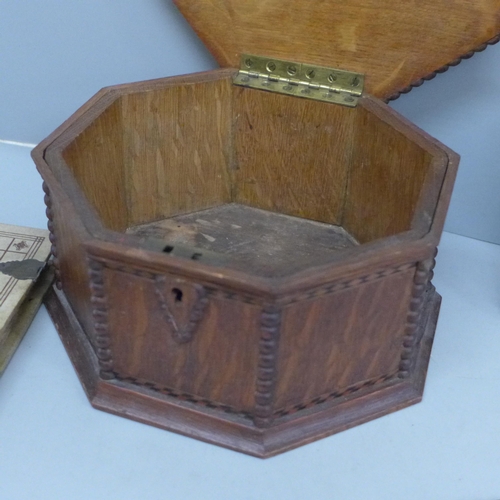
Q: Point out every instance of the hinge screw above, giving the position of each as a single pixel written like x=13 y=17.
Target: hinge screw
x=271 y=66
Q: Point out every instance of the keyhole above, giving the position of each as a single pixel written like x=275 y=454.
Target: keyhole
x=177 y=294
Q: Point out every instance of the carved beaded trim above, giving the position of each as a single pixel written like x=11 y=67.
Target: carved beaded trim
x=443 y=69
x=423 y=275
x=334 y=395
x=268 y=344
x=182 y=396
x=421 y=279
x=103 y=340
x=100 y=315
x=270 y=323
x=182 y=334
x=50 y=225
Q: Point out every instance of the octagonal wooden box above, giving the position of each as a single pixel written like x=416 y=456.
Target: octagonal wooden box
x=246 y=267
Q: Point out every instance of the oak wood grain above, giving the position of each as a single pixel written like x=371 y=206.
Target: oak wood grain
x=96 y=159
x=208 y=366
x=177 y=149
x=386 y=179
x=292 y=155
x=359 y=341
x=228 y=430
x=251 y=360
x=393 y=43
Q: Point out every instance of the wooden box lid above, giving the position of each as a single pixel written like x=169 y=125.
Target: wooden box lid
x=396 y=44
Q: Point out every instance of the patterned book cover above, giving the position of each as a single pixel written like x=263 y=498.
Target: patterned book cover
x=23 y=281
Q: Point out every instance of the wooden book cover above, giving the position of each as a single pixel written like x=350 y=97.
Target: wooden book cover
x=24 y=278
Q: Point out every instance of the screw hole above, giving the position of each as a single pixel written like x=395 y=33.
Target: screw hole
x=196 y=256
x=177 y=294
x=168 y=249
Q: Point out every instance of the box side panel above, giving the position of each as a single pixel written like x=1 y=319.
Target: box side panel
x=292 y=154
x=352 y=332
x=95 y=157
x=386 y=179
x=68 y=236
x=177 y=149
x=182 y=338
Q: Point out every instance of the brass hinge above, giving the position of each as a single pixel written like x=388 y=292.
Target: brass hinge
x=301 y=80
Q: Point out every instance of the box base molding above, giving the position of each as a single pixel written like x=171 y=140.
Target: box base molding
x=234 y=431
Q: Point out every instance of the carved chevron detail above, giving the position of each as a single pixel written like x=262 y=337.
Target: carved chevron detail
x=182 y=334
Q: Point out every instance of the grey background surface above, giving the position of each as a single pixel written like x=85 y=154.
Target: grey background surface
x=55 y=54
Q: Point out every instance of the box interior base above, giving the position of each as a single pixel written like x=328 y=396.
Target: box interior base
x=249 y=239
x=232 y=431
